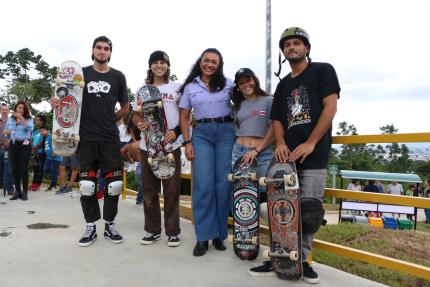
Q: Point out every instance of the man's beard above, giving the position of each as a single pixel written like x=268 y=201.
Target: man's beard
x=294 y=61
x=101 y=62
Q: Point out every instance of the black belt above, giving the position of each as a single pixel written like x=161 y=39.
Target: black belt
x=226 y=119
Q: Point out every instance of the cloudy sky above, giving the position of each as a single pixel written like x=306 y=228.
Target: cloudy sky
x=380 y=49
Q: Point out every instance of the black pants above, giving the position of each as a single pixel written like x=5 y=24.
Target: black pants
x=37 y=163
x=19 y=155
x=106 y=157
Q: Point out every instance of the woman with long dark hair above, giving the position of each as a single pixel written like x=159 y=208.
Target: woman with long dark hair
x=254 y=133
x=207 y=92
x=19 y=126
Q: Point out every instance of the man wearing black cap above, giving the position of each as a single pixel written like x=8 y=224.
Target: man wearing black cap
x=99 y=146
x=304 y=105
x=158 y=75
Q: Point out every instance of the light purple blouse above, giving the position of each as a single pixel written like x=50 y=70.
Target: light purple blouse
x=204 y=103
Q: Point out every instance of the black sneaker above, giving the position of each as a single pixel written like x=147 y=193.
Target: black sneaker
x=89 y=236
x=60 y=190
x=264 y=270
x=112 y=234
x=309 y=275
x=150 y=238
x=173 y=241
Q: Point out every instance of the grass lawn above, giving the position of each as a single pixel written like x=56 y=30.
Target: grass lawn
x=406 y=245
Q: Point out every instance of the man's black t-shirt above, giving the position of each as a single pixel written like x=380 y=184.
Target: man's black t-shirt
x=101 y=93
x=298 y=103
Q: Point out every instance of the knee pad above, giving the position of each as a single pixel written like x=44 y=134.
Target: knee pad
x=87 y=184
x=312 y=212
x=263 y=211
x=114 y=182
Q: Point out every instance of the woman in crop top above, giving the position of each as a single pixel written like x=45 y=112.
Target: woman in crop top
x=254 y=133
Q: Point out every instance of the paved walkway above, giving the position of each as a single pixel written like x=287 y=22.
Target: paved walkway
x=52 y=257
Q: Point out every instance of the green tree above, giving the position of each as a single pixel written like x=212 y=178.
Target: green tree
x=398 y=155
x=28 y=77
x=356 y=156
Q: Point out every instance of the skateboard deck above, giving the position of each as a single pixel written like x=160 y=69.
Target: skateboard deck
x=283 y=204
x=160 y=154
x=245 y=209
x=67 y=115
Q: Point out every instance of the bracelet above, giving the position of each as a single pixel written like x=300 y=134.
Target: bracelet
x=184 y=143
x=256 y=150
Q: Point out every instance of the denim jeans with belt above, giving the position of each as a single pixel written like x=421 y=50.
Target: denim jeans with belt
x=211 y=198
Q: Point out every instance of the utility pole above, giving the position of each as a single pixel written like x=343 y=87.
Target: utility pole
x=268 y=46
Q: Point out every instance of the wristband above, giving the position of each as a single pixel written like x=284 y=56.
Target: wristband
x=184 y=143
x=256 y=150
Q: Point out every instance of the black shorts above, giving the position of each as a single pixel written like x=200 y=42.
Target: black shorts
x=99 y=155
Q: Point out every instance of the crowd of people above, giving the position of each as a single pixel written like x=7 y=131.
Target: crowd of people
x=229 y=118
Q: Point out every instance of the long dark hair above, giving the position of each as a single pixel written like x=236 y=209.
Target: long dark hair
x=150 y=77
x=237 y=96
x=216 y=82
x=26 y=114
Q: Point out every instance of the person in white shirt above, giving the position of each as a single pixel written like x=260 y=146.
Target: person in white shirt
x=354 y=185
x=395 y=188
x=158 y=76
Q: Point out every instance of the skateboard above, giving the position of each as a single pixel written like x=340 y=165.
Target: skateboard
x=283 y=204
x=245 y=209
x=160 y=153
x=67 y=115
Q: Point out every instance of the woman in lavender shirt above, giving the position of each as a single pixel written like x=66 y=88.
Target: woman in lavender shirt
x=207 y=92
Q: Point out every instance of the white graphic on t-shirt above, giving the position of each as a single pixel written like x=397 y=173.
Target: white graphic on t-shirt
x=96 y=87
x=298 y=107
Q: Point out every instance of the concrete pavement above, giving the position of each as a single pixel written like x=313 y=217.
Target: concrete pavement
x=52 y=257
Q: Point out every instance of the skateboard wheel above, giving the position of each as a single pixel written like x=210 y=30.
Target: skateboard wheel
x=294 y=255
x=58 y=82
x=266 y=253
x=54 y=137
x=230 y=177
x=230 y=238
x=290 y=179
x=81 y=84
x=253 y=176
x=150 y=160
x=139 y=108
x=254 y=240
x=159 y=104
x=77 y=138
x=262 y=181
x=170 y=157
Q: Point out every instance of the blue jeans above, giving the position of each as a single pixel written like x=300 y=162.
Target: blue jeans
x=312 y=184
x=427 y=213
x=211 y=198
x=6 y=171
x=51 y=166
x=263 y=159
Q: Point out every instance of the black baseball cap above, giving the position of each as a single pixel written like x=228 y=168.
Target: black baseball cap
x=243 y=72
x=103 y=39
x=158 y=55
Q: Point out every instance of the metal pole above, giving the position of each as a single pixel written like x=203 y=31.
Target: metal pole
x=334 y=186
x=268 y=46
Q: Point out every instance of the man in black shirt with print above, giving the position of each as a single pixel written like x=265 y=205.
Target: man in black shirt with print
x=99 y=146
x=304 y=105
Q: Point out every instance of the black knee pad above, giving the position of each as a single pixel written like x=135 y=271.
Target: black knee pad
x=312 y=212
x=114 y=182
